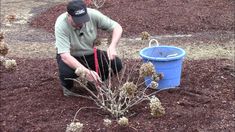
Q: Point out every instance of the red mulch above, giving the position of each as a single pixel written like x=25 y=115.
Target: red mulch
x=31 y=100
x=157 y=16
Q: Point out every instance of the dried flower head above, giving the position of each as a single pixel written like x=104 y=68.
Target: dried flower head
x=158 y=112
x=11 y=18
x=153 y=85
x=161 y=76
x=74 y=127
x=107 y=122
x=145 y=35
x=123 y=121
x=156 y=107
x=129 y=88
x=79 y=72
x=97 y=42
x=1 y=36
x=3 y=49
x=147 y=69
x=155 y=77
x=10 y=64
x=81 y=76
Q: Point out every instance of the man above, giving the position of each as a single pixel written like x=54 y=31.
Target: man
x=75 y=33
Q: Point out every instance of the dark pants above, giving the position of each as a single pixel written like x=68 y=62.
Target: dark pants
x=88 y=61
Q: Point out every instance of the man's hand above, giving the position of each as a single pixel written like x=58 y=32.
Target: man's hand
x=111 y=51
x=90 y=75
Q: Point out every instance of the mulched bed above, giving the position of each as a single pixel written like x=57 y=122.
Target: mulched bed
x=31 y=100
x=157 y=16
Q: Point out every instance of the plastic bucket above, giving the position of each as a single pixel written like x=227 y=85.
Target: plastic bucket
x=167 y=60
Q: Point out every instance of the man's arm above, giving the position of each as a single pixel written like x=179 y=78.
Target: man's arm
x=116 y=35
x=72 y=62
x=105 y=23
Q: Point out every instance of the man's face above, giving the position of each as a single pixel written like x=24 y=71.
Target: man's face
x=70 y=20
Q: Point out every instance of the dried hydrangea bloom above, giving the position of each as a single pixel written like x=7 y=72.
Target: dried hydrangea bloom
x=153 y=85
x=80 y=73
x=3 y=49
x=161 y=75
x=74 y=127
x=156 y=107
x=147 y=69
x=11 y=18
x=97 y=42
x=123 y=121
x=107 y=122
x=1 y=36
x=81 y=76
x=155 y=77
x=145 y=35
x=158 y=112
x=10 y=64
x=129 y=88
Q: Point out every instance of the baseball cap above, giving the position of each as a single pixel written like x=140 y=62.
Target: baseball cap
x=78 y=10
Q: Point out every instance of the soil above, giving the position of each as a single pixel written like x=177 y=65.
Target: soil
x=158 y=17
x=33 y=101
x=31 y=96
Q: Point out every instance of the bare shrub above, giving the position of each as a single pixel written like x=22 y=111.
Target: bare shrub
x=118 y=99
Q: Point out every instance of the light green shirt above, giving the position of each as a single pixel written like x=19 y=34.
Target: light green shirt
x=71 y=40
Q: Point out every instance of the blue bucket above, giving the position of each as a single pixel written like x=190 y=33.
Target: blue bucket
x=167 y=60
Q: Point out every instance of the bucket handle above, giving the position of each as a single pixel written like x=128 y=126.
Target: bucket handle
x=172 y=55
x=151 y=41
